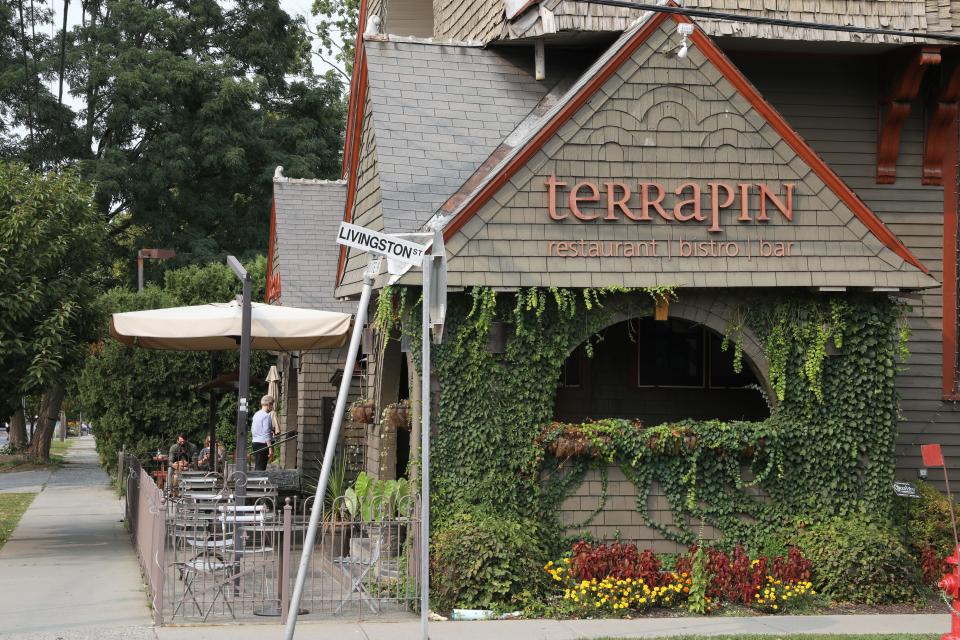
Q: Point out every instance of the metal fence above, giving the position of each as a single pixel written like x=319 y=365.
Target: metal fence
x=207 y=559
x=145 y=519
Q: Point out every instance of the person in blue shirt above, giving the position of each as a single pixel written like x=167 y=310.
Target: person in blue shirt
x=262 y=433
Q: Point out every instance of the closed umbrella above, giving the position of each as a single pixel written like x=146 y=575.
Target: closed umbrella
x=273 y=390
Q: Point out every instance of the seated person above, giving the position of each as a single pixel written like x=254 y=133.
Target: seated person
x=204 y=462
x=182 y=453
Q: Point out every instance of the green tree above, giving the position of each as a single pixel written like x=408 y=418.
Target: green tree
x=51 y=266
x=141 y=398
x=336 y=30
x=187 y=108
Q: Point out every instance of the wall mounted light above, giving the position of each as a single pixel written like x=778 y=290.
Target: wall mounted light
x=684 y=29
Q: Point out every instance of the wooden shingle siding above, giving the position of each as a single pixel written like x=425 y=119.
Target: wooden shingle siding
x=408 y=18
x=484 y=20
x=367 y=212
x=835 y=109
x=669 y=120
x=468 y=20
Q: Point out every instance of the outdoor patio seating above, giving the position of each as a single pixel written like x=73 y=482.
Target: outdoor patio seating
x=357 y=569
x=248 y=521
x=213 y=575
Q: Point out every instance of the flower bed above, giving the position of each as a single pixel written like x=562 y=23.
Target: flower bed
x=620 y=580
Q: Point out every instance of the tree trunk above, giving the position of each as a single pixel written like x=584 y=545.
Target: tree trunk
x=47 y=420
x=18 y=429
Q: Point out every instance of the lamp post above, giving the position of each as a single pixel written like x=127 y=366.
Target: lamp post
x=240 y=468
x=152 y=254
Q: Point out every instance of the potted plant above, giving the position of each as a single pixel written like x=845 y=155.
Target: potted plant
x=335 y=533
x=397 y=415
x=363 y=411
x=378 y=509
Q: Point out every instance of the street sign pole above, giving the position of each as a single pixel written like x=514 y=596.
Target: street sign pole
x=425 y=455
x=381 y=245
x=434 y=312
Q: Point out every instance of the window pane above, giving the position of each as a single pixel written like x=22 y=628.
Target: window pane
x=721 y=366
x=670 y=354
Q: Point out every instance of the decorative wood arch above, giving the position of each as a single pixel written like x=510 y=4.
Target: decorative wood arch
x=713 y=312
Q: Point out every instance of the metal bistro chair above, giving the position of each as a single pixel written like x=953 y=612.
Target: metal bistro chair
x=214 y=575
x=357 y=569
x=247 y=519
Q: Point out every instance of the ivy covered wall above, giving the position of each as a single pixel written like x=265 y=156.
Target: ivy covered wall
x=827 y=448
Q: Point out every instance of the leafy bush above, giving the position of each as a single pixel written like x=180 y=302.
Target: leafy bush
x=483 y=561
x=141 y=398
x=929 y=520
x=859 y=559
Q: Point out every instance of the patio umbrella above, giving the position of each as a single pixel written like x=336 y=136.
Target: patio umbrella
x=273 y=390
x=239 y=324
x=217 y=327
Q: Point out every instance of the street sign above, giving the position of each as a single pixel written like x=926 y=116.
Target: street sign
x=380 y=244
x=437 y=263
x=905 y=490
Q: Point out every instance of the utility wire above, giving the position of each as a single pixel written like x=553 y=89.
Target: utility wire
x=780 y=22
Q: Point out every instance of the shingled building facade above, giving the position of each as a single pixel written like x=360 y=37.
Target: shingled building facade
x=567 y=144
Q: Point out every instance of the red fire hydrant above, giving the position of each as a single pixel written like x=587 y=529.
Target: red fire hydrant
x=950 y=584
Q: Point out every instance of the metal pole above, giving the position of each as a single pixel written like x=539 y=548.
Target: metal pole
x=425 y=454
x=140 y=272
x=372 y=268
x=240 y=467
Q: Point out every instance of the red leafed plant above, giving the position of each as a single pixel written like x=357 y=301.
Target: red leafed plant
x=791 y=568
x=617 y=560
x=736 y=578
x=931 y=565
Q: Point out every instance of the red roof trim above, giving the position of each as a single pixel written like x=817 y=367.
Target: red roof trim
x=351 y=151
x=354 y=80
x=273 y=289
x=802 y=149
x=733 y=75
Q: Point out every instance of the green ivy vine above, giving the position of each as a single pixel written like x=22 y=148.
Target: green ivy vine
x=826 y=450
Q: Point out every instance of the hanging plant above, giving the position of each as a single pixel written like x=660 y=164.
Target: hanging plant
x=363 y=411
x=397 y=415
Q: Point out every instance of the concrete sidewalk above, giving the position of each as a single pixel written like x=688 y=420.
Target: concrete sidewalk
x=69 y=567
x=574 y=629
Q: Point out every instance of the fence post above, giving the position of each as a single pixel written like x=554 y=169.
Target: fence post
x=159 y=549
x=121 y=478
x=285 y=562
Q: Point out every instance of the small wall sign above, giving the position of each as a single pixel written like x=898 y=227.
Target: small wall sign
x=905 y=489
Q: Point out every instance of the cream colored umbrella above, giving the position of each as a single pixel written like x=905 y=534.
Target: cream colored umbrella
x=216 y=327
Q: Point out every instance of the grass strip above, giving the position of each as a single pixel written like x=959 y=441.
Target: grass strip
x=12 y=508
x=798 y=636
